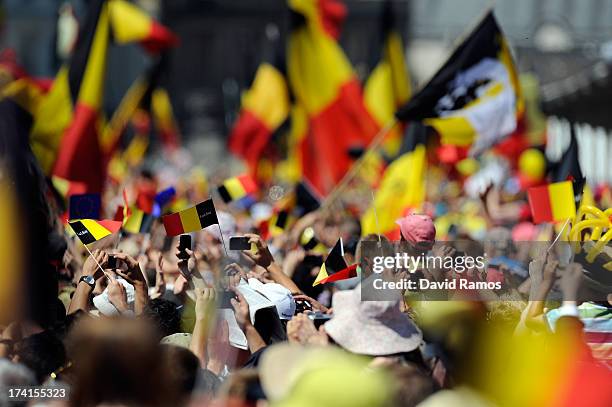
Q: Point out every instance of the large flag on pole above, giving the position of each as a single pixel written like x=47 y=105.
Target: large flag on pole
x=388 y=86
x=474 y=99
x=402 y=187
x=324 y=84
x=264 y=108
x=65 y=135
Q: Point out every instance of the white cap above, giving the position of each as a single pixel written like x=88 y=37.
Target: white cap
x=278 y=295
x=103 y=304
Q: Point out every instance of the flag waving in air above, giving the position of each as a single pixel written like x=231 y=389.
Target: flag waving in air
x=65 y=136
x=334 y=267
x=474 y=99
x=90 y=230
x=325 y=86
x=552 y=202
x=388 y=86
x=265 y=107
x=402 y=187
x=190 y=220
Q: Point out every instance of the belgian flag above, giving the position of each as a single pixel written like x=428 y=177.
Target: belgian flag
x=334 y=267
x=474 y=100
x=402 y=186
x=130 y=24
x=138 y=221
x=264 y=108
x=66 y=132
x=388 y=86
x=237 y=188
x=190 y=220
x=552 y=203
x=90 y=230
x=145 y=101
x=326 y=87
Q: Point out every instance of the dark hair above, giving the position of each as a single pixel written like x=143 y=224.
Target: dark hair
x=303 y=277
x=43 y=353
x=182 y=367
x=165 y=316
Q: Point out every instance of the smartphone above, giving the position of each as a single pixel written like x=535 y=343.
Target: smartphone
x=112 y=262
x=239 y=243
x=185 y=242
x=302 y=306
x=226 y=297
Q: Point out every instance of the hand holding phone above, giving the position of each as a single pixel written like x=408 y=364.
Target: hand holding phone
x=111 y=262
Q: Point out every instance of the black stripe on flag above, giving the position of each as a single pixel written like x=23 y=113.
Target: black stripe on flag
x=207 y=213
x=225 y=195
x=281 y=219
x=82 y=232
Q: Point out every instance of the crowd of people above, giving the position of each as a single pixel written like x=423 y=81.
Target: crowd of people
x=143 y=320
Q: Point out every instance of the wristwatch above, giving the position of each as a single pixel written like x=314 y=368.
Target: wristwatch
x=89 y=280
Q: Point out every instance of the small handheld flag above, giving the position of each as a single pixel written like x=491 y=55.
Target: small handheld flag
x=552 y=202
x=236 y=188
x=190 y=220
x=138 y=222
x=91 y=230
x=84 y=206
x=334 y=267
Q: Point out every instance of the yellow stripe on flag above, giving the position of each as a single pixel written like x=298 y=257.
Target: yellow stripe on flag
x=322 y=275
x=454 y=130
x=133 y=222
x=234 y=188
x=62 y=185
x=562 y=200
x=97 y=231
x=130 y=24
x=190 y=220
x=53 y=116
x=92 y=86
x=268 y=98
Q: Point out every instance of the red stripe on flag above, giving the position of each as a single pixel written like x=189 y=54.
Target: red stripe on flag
x=249 y=137
x=172 y=224
x=159 y=38
x=111 y=225
x=344 y=123
x=79 y=156
x=248 y=183
x=539 y=202
x=345 y=274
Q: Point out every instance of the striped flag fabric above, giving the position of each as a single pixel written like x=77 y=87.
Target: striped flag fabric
x=191 y=220
x=138 y=221
x=130 y=24
x=65 y=134
x=237 y=188
x=326 y=87
x=552 y=202
x=388 y=86
x=334 y=268
x=91 y=230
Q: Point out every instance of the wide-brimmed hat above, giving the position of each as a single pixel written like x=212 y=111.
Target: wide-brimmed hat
x=374 y=328
x=303 y=376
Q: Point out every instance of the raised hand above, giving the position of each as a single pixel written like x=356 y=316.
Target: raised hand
x=117 y=295
x=262 y=257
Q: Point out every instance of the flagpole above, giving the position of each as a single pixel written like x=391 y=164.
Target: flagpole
x=558 y=236
x=94 y=259
x=348 y=177
x=222 y=240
